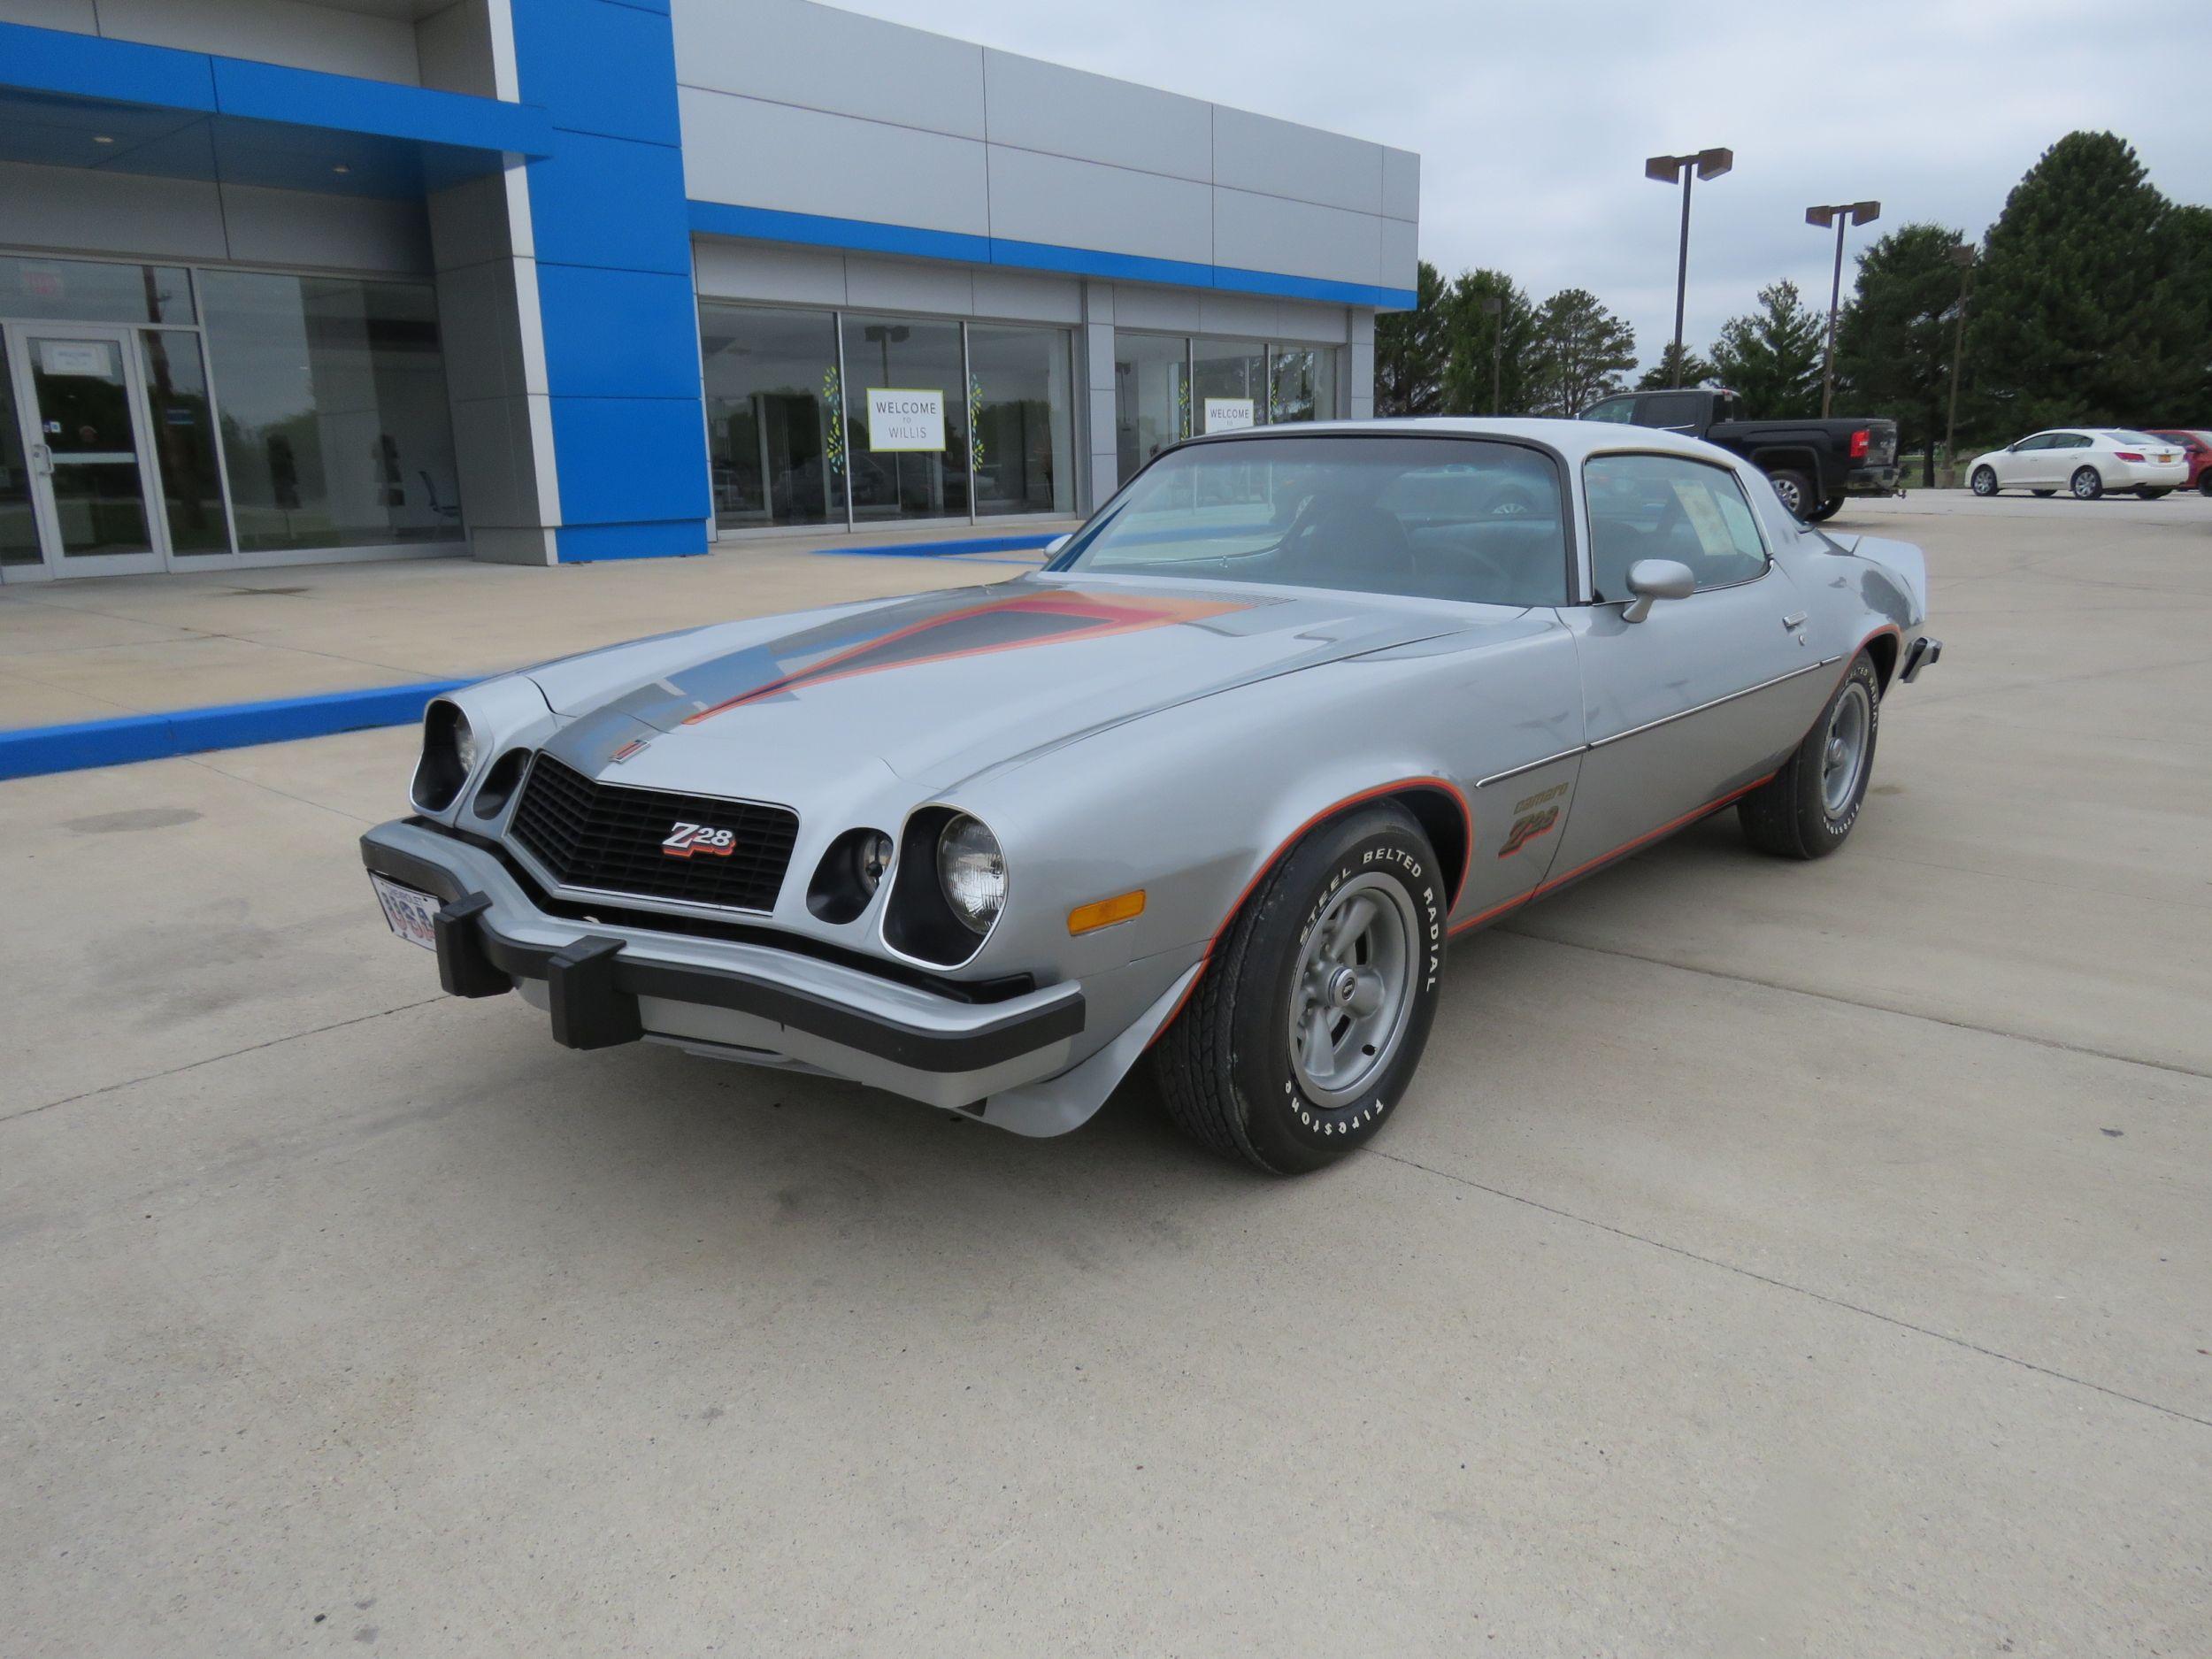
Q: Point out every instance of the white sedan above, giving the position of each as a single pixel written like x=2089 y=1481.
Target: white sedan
x=2084 y=461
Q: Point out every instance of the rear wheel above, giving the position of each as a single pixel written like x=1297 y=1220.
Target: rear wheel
x=2087 y=483
x=2204 y=484
x=1806 y=810
x=1310 y=1020
x=2149 y=492
x=1826 y=510
x=1795 y=490
x=1985 y=480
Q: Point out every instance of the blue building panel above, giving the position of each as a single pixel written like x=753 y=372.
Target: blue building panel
x=627 y=460
x=594 y=318
x=611 y=202
x=586 y=61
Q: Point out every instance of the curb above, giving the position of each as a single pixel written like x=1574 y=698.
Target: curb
x=943 y=550
x=33 y=751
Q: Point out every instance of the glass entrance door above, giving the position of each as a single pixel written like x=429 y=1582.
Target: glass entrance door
x=80 y=408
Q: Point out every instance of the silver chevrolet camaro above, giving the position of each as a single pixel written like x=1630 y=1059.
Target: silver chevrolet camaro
x=1220 y=783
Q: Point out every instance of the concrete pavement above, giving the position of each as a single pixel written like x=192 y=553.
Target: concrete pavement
x=1771 y=1258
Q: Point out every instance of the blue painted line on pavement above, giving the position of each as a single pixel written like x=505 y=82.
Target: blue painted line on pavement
x=944 y=550
x=29 y=751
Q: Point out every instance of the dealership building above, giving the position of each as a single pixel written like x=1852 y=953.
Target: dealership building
x=551 y=280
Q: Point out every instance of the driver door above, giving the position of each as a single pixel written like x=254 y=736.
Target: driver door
x=1705 y=694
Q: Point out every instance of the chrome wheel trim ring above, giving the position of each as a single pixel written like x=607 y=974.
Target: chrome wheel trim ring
x=1844 y=748
x=1352 y=991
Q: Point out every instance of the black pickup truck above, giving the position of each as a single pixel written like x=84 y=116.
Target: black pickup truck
x=1813 y=464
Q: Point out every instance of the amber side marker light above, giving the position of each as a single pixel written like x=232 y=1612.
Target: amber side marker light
x=1088 y=918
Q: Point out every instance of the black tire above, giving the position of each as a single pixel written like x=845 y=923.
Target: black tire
x=1983 y=482
x=2149 y=492
x=1225 y=1068
x=2087 y=483
x=2045 y=494
x=1826 y=510
x=1791 y=815
x=1796 y=491
x=2204 y=484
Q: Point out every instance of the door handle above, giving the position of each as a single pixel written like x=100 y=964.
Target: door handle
x=1793 y=621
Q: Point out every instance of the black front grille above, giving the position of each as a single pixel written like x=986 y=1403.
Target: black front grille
x=611 y=838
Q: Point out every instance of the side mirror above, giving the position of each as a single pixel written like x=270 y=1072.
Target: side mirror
x=1057 y=543
x=2014 y=445
x=1656 y=578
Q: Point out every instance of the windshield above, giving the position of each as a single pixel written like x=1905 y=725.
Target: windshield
x=1427 y=517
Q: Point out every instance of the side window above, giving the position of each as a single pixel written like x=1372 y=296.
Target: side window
x=1619 y=410
x=2074 y=440
x=2041 y=440
x=1671 y=409
x=1669 y=507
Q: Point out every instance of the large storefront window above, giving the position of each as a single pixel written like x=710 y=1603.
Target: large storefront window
x=1167 y=388
x=773 y=409
x=1020 y=391
x=333 y=409
x=828 y=418
x=905 y=408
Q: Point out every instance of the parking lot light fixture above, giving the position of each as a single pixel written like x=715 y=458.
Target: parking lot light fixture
x=1706 y=163
x=1839 y=214
x=1962 y=256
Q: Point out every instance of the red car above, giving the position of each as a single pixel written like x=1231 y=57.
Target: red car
x=2196 y=449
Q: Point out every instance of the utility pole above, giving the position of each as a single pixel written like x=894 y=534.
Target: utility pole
x=1840 y=215
x=1493 y=308
x=1962 y=256
x=1706 y=163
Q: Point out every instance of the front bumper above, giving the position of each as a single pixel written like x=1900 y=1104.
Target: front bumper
x=607 y=984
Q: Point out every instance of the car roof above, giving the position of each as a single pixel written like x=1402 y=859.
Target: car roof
x=1574 y=439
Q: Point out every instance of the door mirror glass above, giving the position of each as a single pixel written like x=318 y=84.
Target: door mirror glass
x=1649 y=579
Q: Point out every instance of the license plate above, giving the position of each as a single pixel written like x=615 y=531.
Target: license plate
x=412 y=915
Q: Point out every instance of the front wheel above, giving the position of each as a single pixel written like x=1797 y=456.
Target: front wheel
x=1806 y=810
x=1309 y=1020
x=1985 y=480
x=2087 y=484
x=1796 y=491
x=2152 y=492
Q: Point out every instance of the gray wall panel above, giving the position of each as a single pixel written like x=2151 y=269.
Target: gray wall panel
x=1400 y=253
x=1402 y=184
x=1084 y=205
x=1034 y=105
x=791 y=52
x=1265 y=233
x=1258 y=153
x=744 y=269
x=110 y=212
x=468 y=222
x=304 y=35
x=1237 y=316
x=348 y=232
x=76 y=16
x=803 y=161
x=1321 y=325
x=908 y=285
x=1156 y=309
x=1027 y=296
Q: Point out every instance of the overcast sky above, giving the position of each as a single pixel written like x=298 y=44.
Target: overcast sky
x=1532 y=121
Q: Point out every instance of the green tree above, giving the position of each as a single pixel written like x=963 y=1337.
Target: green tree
x=1582 y=352
x=1771 y=358
x=1410 y=349
x=1660 y=376
x=1893 y=344
x=1471 y=333
x=2082 y=308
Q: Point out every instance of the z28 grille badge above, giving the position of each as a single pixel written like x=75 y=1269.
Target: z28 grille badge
x=704 y=839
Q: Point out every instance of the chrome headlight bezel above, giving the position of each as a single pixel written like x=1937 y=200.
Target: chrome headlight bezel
x=448 y=758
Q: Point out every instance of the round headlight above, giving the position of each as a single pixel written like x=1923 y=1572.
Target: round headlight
x=871 y=856
x=463 y=744
x=972 y=872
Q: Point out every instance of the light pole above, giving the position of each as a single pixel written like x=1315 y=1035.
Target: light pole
x=1706 y=163
x=1962 y=256
x=1840 y=215
x=1493 y=308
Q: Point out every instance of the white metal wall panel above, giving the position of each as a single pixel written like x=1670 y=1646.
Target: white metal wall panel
x=758 y=154
x=1036 y=105
x=1302 y=164
x=348 y=233
x=79 y=208
x=1265 y=233
x=1402 y=184
x=302 y=36
x=1087 y=204
x=817 y=58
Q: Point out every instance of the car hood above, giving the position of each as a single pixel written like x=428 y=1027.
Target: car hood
x=944 y=685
